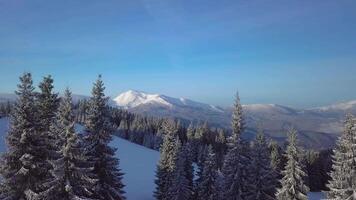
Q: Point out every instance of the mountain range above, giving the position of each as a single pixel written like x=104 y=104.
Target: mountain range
x=317 y=127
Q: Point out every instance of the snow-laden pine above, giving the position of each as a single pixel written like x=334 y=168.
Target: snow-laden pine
x=343 y=175
x=262 y=177
x=236 y=161
x=47 y=103
x=72 y=176
x=98 y=135
x=181 y=187
x=23 y=166
x=208 y=186
x=293 y=186
x=168 y=158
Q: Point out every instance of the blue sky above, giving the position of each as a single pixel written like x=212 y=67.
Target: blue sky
x=299 y=53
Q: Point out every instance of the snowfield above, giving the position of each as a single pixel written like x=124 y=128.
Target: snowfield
x=316 y=196
x=138 y=163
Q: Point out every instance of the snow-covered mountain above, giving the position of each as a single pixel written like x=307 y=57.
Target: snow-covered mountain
x=318 y=126
x=132 y=99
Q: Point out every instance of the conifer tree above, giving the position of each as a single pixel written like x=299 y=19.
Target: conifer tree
x=343 y=175
x=72 y=178
x=23 y=165
x=293 y=186
x=181 y=187
x=262 y=178
x=276 y=157
x=168 y=157
x=47 y=103
x=236 y=161
x=207 y=188
x=99 y=130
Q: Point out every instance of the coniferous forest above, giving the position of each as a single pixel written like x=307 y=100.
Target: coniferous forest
x=49 y=157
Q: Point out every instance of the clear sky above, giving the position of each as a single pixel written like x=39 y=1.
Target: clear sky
x=300 y=53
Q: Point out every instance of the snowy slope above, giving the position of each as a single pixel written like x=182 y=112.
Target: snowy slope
x=139 y=165
x=137 y=162
x=316 y=196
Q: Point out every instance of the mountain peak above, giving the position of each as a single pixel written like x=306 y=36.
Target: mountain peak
x=134 y=98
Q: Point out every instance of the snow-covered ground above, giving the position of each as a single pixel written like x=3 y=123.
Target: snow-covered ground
x=137 y=162
x=139 y=165
x=316 y=196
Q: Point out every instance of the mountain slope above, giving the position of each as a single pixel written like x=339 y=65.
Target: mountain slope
x=318 y=127
x=137 y=163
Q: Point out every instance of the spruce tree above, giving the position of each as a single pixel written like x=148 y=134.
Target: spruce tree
x=293 y=186
x=23 y=165
x=47 y=103
x=181 y=187
x=168 y=158
x=343 y=176
x=72 y=178
x=262 y=178
x=98 y=135
x=207 y=188
x=236 y=161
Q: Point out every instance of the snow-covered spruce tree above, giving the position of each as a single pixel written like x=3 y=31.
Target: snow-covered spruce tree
x=47 y=104
x=98 y=135
x=236 y=161
x=262 y=178
x=181 y=187
x=72 y=178
x=23 y=165
x=343 y=176
x=168 y=156
x=293 y=186
x=276 y=155
x=207 y=188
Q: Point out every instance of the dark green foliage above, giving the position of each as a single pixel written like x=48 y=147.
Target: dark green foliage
x=343 y=176
x=23 y=166
x=293 y=186
x=208 y=185
x=99 y=130
x=262 y=176
x=71 y=172
x=167 y=163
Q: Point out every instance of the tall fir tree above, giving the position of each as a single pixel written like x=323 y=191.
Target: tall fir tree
x=207 y=188
x=23 y=165
x=236 y=161
x=343 y=176
x=168 y=158
x=293 y=186
x=181 y=187
x=72 y=178
x=47 y=104
x=262 y=177
x=99 y=129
